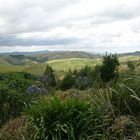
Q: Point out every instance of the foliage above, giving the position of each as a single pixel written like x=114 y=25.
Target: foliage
x=131 y=65
x=14 y=129
x=109 y=68
x=68 y=81
x=49 y=74
x=80 y=79
x=122 y=107
x=64 y=120
x=85 y=77
x=92 y=76
x=85 y=110
x=17 y=81
x=13 y=96
x=123 y=127
x=126 y=95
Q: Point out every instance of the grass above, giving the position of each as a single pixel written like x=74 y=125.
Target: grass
x=71 y=119
x=102 y=113
x=10 y=68
x=68 y=117
x=78 y=115
x=60 y=66
x=73 y=63
x=125 y=59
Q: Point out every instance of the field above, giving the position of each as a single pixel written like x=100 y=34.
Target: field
x=60 y=66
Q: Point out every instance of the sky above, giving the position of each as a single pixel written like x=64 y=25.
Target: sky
x=96 y=26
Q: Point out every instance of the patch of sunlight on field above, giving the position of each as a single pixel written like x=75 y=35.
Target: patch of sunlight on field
x=37 y=69
x=73 y=63
x=10 y=68
x=128 y=58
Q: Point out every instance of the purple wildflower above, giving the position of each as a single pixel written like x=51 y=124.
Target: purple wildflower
x=43 y=78
x=33 y=89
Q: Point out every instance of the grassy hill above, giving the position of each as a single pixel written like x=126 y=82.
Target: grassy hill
x=61 y=62
x=60 y=66
x=24 y=59
x=61 y=55
x=66 y=64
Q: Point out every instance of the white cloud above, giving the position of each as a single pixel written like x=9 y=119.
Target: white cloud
x=97 y=25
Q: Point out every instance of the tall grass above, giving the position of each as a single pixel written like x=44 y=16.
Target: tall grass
x=121 y=109
x=71 y=119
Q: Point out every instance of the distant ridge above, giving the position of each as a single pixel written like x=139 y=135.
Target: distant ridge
x=24 y=58
x=66 y=52
x=137 y=53
x=25 y=53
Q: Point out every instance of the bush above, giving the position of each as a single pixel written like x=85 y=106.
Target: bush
x=131 y=65
x=17 y=81
x=126 y=95
x=82 y=83
x=64 y=120
x=85 y=77
x=123 y=128
x=15 y=129
x=108 y=70
x=13 y=96
x=49 y=73
x=68 y=81
x=81 y=79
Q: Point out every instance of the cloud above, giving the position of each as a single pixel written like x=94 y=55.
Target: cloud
x=70 y=24
x=15 y=41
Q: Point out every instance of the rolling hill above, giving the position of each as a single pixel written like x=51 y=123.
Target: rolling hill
x=26 y=58
x=61 y=62
x=36 y=62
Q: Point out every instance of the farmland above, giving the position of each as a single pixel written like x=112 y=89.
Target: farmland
x=59 y=65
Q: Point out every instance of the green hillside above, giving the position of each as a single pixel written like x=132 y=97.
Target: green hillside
x=61 y=55
x=66 y=64
x=36 y=64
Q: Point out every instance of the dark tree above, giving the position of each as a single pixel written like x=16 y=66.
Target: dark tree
x=108 y=69
x=50 y=75
x=68 y=81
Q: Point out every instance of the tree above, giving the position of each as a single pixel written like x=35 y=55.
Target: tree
x=68 y=81
x=49 y=73
x=108 y=69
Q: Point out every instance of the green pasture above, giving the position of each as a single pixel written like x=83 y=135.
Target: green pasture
x=60 y=66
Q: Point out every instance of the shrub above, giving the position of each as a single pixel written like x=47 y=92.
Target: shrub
x=123 y=128
x=68 y=81
x=14 y=129
x=49 y=74
x=82 y=83
x=85 y=77
x=16 y=81
x=13 y=103
x=126 y=95
x=131 y=65
x=108 y=70
x=81 y=79
x=13 y=96
x=64 y=120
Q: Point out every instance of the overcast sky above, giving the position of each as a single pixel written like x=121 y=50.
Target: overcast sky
x=85 y=25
